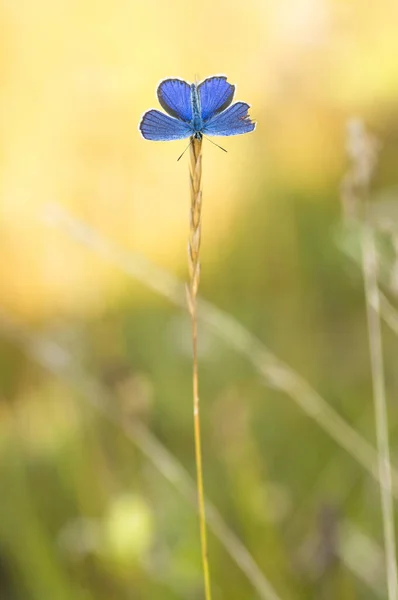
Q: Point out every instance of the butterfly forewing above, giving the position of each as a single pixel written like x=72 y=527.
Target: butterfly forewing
x=216 y=94
x=175 y=97
x=234 y=120
x=158 y=127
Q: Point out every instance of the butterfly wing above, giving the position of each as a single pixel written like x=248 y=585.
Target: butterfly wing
x=175 y=97
x=216 y=95
x=233 y=121
x=158 y=127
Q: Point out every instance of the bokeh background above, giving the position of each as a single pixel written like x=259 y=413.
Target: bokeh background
x=97 y=463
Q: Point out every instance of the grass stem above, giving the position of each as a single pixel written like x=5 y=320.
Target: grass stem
x=372 y=296
x=194 y=278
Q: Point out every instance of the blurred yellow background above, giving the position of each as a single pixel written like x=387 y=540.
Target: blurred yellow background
x=77 y=77
x=84 y=514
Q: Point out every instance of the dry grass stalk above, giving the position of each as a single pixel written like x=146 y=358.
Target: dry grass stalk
x=195 y=173
x=380 y=402
x=195 y=167
x=362 y=149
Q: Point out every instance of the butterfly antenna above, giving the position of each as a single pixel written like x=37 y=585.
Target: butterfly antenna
x=214 y=143
x=181 y=155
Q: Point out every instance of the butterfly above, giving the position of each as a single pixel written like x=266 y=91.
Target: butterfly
x=196 y=109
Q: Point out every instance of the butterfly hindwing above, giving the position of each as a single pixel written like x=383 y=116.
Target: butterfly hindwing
x=216 y=95
x=175 y=97
x=234 y=120
x=158 y=127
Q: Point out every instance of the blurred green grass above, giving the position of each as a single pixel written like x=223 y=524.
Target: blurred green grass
x=269 y=469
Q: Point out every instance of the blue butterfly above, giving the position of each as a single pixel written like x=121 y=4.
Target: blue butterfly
x=196 y=110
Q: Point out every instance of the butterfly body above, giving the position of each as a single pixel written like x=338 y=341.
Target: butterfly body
x=197 y=121
x=196 y=110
